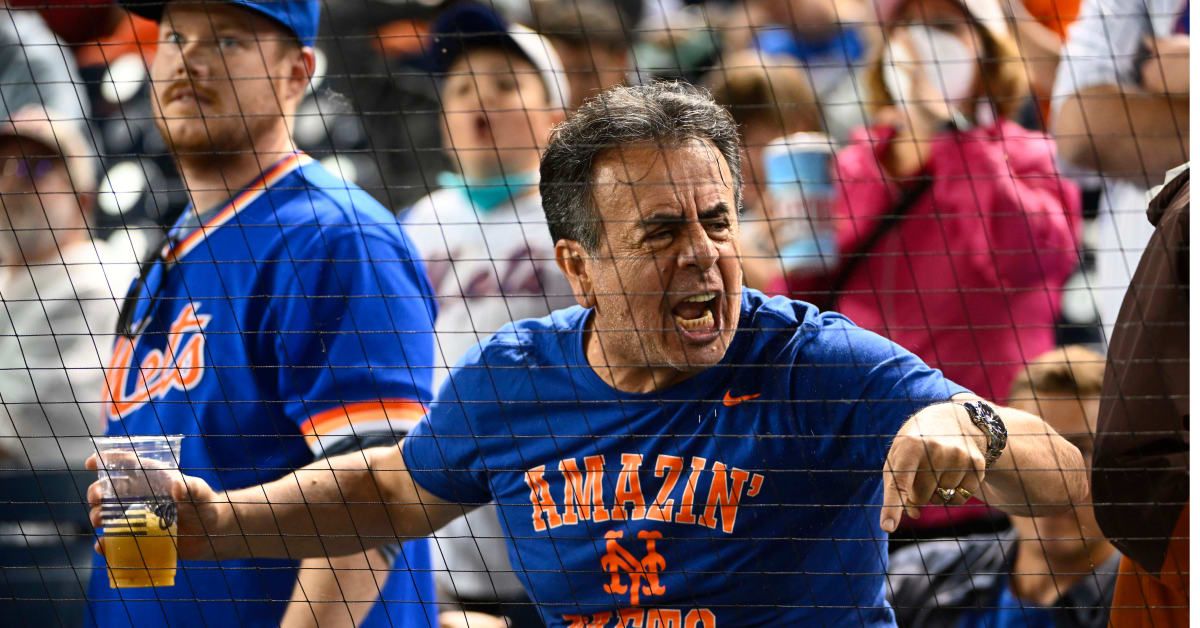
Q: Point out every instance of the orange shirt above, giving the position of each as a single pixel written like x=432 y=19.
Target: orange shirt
x=1143 y=600
x=1056 y=15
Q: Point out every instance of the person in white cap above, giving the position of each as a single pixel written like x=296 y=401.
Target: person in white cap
x=57 y=286
x=485 y=244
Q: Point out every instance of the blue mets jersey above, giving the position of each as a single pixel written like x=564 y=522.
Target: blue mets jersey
x=748 y=495
x=288 y=324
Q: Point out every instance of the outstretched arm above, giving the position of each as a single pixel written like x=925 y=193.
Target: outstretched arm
x=335 y=506
x=1039 y=472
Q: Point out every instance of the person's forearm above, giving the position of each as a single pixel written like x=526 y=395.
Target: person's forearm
x=1039 y=472
x=1040 y=48
x=1130 y=135
x=332 y=507
x=336 y=592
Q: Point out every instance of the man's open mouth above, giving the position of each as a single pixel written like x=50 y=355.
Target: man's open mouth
x=697 y=315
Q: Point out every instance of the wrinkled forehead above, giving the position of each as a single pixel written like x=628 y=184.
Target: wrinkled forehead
x=633 y=179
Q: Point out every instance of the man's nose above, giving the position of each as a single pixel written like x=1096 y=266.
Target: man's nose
x=699 y=250
x=195 y=58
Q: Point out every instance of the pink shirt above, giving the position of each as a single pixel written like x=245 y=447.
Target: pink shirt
x=971 y=278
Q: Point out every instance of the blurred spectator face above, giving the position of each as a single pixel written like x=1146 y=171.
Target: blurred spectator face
x=947 y=16
x=36 y=199
x=755 y=137
x=814 y=20
x=1073 y=531
x=769 y=99
x=223 y=77
x=944 y=45
x=1073 y=414
x=591 y=68
x=591 y=40
x=666 y=279
x=497 y=112
x=936 y=57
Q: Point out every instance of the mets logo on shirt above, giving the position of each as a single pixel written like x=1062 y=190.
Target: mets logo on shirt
x=177 y=366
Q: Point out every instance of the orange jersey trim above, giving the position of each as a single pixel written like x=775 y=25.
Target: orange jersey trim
x=247 y=196
x=340 y=420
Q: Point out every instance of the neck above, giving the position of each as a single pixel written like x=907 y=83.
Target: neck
x=211 y=180
x=1043 y=577
x=623 y=374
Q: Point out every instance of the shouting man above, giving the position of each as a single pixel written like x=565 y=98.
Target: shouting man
x=677 y=450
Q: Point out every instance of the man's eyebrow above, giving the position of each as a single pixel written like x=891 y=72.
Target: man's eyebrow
x=720 y=210
x=673 y=216
x=662 y=217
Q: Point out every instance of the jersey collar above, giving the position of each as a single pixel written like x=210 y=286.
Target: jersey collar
x=177 y=249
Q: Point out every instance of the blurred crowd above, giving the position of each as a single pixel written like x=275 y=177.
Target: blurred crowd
x=966 y=177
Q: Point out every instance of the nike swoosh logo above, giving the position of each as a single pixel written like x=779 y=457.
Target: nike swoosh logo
x=731 y=401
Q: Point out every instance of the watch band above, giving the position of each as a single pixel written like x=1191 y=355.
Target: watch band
x=985 y=417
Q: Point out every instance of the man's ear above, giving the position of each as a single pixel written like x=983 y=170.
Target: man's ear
x=573 y=261
x=300 y=71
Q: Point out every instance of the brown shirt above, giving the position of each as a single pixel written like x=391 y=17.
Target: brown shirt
x=1139 y=472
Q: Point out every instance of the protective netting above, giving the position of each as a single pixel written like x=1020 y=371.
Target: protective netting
x=725 y=312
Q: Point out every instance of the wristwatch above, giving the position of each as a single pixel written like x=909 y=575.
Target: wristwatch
x=984 y=416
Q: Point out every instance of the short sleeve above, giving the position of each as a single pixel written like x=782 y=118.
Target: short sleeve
x=442 y=453
x=351 y=320
x=874 y=384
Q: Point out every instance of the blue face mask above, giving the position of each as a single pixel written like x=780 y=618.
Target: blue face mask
x=492 y=192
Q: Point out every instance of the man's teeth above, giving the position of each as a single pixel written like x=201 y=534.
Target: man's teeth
x=701 y=298
x=696 y=323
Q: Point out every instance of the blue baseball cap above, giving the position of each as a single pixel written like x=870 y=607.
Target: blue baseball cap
x=300 y=17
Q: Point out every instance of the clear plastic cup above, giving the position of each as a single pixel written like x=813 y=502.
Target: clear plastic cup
x=138 y=513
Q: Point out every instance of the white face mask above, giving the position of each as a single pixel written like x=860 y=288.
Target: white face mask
x=948 y=65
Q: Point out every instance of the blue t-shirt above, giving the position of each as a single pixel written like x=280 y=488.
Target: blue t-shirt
x=293 y=321
x=1008 y=612
x=747 y=495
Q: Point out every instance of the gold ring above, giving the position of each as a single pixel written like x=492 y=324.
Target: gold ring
x=964 y=493
x=946 y=494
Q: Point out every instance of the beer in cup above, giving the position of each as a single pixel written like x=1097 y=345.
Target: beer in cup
x=138 y=514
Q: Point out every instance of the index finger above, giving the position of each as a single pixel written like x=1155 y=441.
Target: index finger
x=899 y=473
x=95 y=492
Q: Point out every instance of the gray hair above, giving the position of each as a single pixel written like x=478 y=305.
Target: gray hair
x=663 y=112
